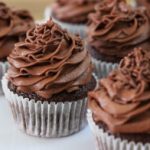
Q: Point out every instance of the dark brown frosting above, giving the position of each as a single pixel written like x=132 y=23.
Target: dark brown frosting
x=50 y=61
x=13 y=25
x=145 y=3
x=116 y=28
x=73 y=11
x=122 y=102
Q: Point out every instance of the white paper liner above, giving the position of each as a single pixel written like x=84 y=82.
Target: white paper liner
x=73 y=28
x=3 y=68
x=104 y=141
x=46 y=119
x=102 y=68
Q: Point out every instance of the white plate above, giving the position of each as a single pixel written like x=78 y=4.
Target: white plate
x=12 y=139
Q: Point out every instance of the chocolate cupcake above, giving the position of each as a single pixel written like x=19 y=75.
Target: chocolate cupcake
x=74 y=21
x=119 y=111
x=113 y=31
x=47 y=82
x=13 y=25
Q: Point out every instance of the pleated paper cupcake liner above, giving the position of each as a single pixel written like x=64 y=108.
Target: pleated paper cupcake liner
x=45 y=119
x=102 y=69
x=3 y=68
x=73 y=28
x=104 y=141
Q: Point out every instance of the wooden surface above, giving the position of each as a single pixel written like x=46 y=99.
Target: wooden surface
x=36 y=7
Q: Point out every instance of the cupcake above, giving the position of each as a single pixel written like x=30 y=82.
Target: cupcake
x=47 y=83
x=13 y=25
x=119 y=110
x=113 y=31
x=74 y=21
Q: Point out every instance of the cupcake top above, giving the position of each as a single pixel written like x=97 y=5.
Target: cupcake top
x=122 y=103
x=13 y=25
x=73 y=11
x=49 y=62
x=116 y=28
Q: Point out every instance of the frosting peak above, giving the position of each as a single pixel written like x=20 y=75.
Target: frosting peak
x=123 y=100
x=138 y=63
x=116 y=28
x=49 y=61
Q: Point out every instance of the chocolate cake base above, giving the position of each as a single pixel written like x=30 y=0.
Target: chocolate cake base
x=114 y=58
x=3 y=60
x=61 y=97
x=99 y=56
x=141 y=137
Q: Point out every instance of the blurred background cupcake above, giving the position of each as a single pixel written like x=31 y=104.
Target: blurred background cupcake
x=113 y=31
x=119 y=111
x=72 y=15
x=48 y=81
x=13 y=26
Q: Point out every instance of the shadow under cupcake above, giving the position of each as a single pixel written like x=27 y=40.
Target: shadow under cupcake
x=48 y=80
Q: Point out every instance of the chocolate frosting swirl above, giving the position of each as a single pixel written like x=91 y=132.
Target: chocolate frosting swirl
x=116 y=28
x=145 y=3
x=50 y=61
x=13 y=25
x=78 y=10
x=122 y=102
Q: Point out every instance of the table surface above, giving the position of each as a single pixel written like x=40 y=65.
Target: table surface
x=13 y=139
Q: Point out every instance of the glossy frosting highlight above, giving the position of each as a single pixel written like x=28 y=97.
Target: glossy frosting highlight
x=116 y=28
x=122 y=102
x=49 y=61
x=73 y=11
x=13 y=25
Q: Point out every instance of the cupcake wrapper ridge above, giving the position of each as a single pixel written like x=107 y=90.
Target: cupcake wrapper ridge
x=3 y=68
x=104 y=141
x=102 y=69
x=45 y=119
